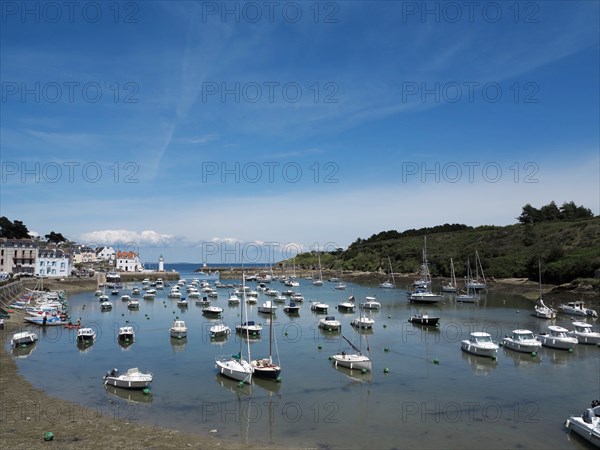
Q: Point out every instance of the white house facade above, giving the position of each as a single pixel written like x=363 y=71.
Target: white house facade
x=128 y=262
x=52 y=263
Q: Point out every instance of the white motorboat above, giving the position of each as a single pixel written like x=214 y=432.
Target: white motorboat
x=267 y=307
x=126 y=334
x=319 y=307
x=279 y=299
x=340 y=286
x=585 y=334
x=370 y=303
x=135 y=291
x=45 y=320
x=194 y=293
x=557 y=338
x=149 y=295
x=233 y=299
x=204 y=301
x=330 y=323
x=292 y=308
x=522 y=341
x=249 y=328
x=362 y=322
x=182 y=302
x=588 y=424
x=577 y=309
x=23 y=338
x=133 y=304
x=272 y=293
x=125 y=297
x=178 y=330
x=86 y=335
x=480 y=344
x=106 y=306
x=352 y=361
x=132 y=379
x=297 y=297
x=174 y=292
x=212 y=311
x=219 y=330
x=346 y=307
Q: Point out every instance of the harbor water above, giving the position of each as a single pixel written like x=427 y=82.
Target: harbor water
x=423 y=391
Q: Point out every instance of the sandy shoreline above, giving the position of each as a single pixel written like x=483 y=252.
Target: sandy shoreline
x=27 y=413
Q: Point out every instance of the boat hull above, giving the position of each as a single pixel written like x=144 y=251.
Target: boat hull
x=589 y=432
x=560 y=344
x=231 y=368
x=353 y=362
x=523 y=347
x=126 y=384
x=488 y=352
x=430 y=321
x=422 y=298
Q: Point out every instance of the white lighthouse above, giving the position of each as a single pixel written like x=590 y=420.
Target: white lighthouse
x=161 y=263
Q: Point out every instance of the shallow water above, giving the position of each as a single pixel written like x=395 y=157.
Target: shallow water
x=517 y=401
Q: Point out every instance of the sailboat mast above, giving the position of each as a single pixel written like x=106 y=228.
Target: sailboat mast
x=540 y=277
x=271 y=337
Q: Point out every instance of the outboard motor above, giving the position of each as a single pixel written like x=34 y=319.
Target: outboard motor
x=588 y=415
x=114 y=373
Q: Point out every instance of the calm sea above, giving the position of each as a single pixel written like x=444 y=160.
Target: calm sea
x=432 y=395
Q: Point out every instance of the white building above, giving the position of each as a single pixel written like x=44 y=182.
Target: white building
x=161 y=264
x=83 y=254
x=105 y=254
x=128 y=262
x=52 y=263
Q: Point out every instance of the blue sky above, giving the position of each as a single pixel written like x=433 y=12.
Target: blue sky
x=181 y=126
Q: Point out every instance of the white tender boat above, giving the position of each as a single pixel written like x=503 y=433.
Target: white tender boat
x=86 y=335
x=126 y=334
x=346 y=307
x=577 y=309
x=23 y=338
x=233 y=299
x=125 y=297
x=267 y=307
x=370 y=303
x=212 y=311
x=182 y=303
x=588 y=424
x=297 y=297
x=132 y=379
x=219 y=330
x=330 y=323
x=178 y=330
x=149 y=295
x=174 y=292
x=133 y=304
x=585 y=333
x=106 y=306
x=319 y=307
x=135 y=291
x=292 y=308
x=557 y=338
x=522 y=341
x=480 y=344
x=249 y=328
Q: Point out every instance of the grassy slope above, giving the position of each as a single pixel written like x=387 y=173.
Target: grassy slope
x=567 y=249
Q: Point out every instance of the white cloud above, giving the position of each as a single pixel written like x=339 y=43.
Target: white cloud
x=145 y=238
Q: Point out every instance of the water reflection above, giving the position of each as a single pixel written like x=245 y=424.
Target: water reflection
x=240 y=390
x=354 y=375
x=85 y=346
x=269 y=385
x=23 y=351
x=522 y=359
x=129 y=395
x=481 y=365
x=178 y=344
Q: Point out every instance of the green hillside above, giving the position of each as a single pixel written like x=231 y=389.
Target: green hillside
x=568 y=249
